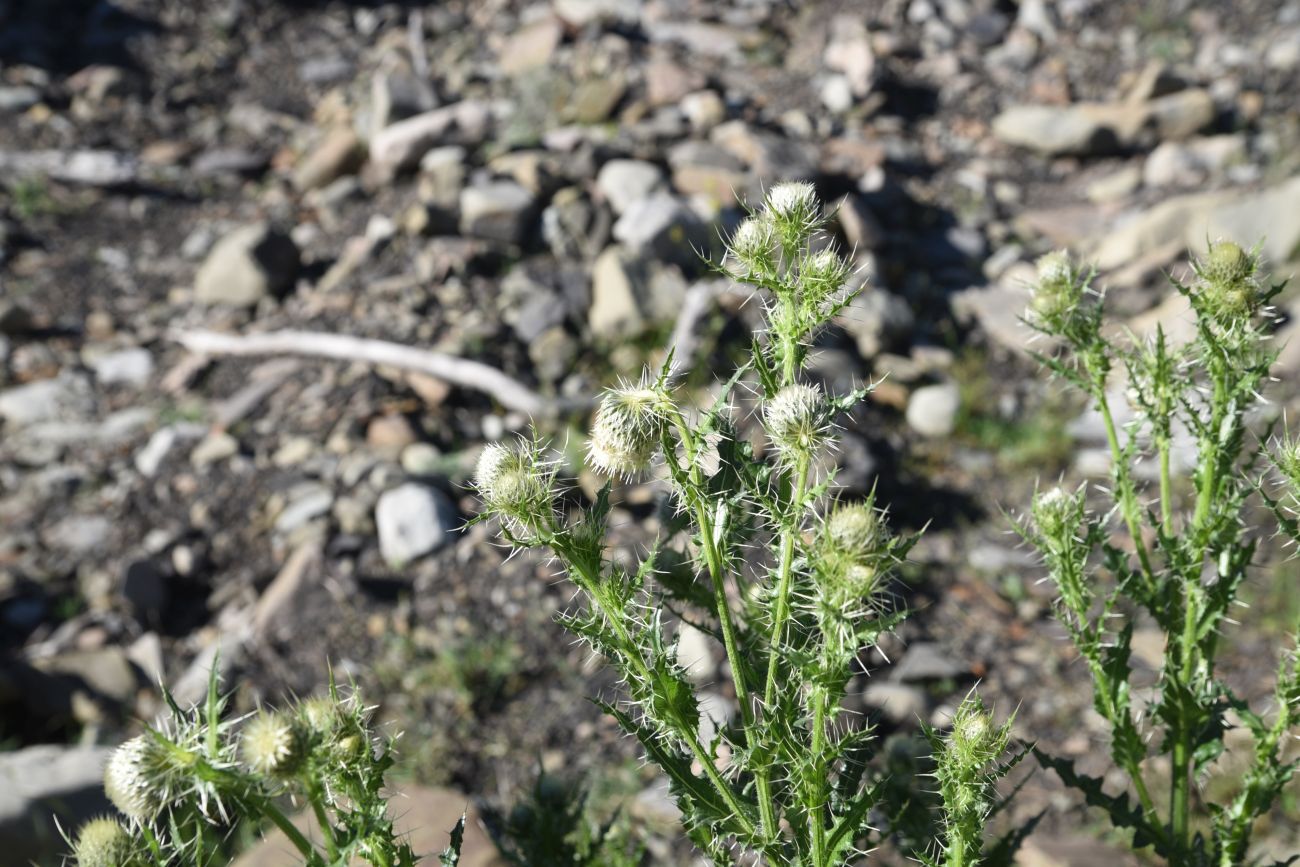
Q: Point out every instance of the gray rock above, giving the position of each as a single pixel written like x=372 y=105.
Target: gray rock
x=339 y=153
x=583 y=12
x=849 y=52
x=89 y=167
x=131 y=367
x=79 y=533
x=249 y=264
x=770 y=156
x=18 y=97
x=900 y=702
x=1090 y=128
x=306 y=506
x=925 y=660
x=396 y=94
x=695 y=654
x=144 y=587
x=413 y=520
x=932 y=409
x=1269 y=216
x=498 y=211
x=619 y=281
x=877 y=321
x=41 y=784
x=703 y=109
x=106 y=673
x=663 y=226
x=716 y=711
x=215 y=447
x=154 y=452
x=65 y=396
x=1189 y=163
x=623 y=182
x=553 y=353
x=402 y=144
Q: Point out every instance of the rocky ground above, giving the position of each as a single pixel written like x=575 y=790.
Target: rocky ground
x=526 y=184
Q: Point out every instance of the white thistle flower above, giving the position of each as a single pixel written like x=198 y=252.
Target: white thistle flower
x=625 y=436
x=796 y=421
x=271 y=744
x=1057 y=513
x=135 y=778
x=1057 y=293
x=516 y=482
x=792 y=202
x=754 y=244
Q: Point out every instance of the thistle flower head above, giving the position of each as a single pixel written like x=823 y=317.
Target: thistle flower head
x=1286 y=457
x=794 y=211
x=321 y=716
x=975 y=740
x=856 y=529
x=797 y=421
x=822 y=274
x=626 y=433
x=103 y=842
x=1057 y=513
x=274 y=744
x=145 y=775
x=753 y=246
x=1057 y=292
x=1230 y=289
x=516 y=482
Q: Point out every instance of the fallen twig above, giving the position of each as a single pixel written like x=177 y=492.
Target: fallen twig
x=462 y=372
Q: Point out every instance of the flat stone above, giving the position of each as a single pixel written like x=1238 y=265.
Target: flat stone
x=413 y=520
x=925 y=660
x=497 y=211
x=620 y=283
x=340 y=153
x=94 y=168
x=1091 y=128
x=305 y=507
x=663 y=226
x=623 y=182
x=131 y=367
x=580 y=13
x=695 y=654
x=594 y=100
x=62 y=397
x=79 y=534
x=900 y=702
x=43 y=783
x=249 y=264
x=401 y=145
x=531 y=47
x=932 y=409
x=848 y=51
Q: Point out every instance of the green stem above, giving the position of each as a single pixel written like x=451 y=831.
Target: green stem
x=1166 y=489
x=816 y=823
x=591 y=579
x=784 y=580
x=322 y=818
x=301 y=843
x=1128 y=505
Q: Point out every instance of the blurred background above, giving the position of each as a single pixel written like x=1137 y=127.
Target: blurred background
x=529 y=185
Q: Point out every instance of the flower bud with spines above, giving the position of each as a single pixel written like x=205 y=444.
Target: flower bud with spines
x=517 y=483
x=1058 y=513
x=795 y=212
x=1230 y=291
x=822 y=275
x=797 y=420
x=103 y=842
x=144 y=775
x=628 y=430
x=1057 y=293
x=274 y=744
x=753 y=247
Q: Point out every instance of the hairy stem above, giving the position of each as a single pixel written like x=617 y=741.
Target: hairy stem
x=300 y=842
x=785 y=572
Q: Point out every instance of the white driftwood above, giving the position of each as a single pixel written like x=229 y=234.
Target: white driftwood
x=457 y=371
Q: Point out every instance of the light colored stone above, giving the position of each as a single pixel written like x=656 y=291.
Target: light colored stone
x=848 y=51
x=623 y=182
x=1119 y=184
x=131 y=367
x=402 y=144
x=413 y=520
x=663 y=226
x=580 y=13
x=531 y=47
x=1270 y=216
x=1089 y=127
x=695 y=654
x=40 y=783
x=339 y=153
x=62 y=397
x=932 y=409
x=703 y=109
x=79 y=534
x=498 y=211
x=900 y=702
x=215 y=447
x=247 y=265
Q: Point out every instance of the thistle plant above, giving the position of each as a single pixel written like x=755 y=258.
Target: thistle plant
x=179 y=787
x=1184 y=554
x=792 y=584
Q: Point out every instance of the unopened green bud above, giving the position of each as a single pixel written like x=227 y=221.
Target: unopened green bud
x=823 y=274
x=104 y=842
x=797 y=421
x=320 y=716
x=856 y=530
x=1287 y=459
x=1057 y=293
x=625 y=436
x=273 y=744
x=1230 y=290
x=1058 y=513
